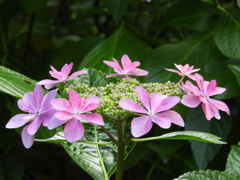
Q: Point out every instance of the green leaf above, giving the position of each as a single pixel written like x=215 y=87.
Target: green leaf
x=15 y=84
x=185 y=135
x=120 y=43
x=236 y=71
x=233 y=161
x=198 y=50
x=208 y=175
x=1 y=1
x=188 y=14
x=95 y=153
x=116 y=7
x=196 y=121
x=30 y=6
x=227 y=33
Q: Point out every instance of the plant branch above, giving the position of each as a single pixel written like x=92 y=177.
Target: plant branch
x=109 y=135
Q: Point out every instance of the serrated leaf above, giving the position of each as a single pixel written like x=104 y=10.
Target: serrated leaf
x=233 y=161
x=116 y=7
x=196 y=120
x=15 y=84
x=186 y=135
x=227 y=33
x=120 y=43
x=207 y=175
x=198 y=50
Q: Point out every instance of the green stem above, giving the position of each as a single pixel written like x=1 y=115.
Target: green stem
x=121 y=148
x=109 y=135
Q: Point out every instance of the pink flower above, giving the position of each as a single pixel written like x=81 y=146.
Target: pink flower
x=156 y=110
x=128 y=67
x=72 y=112
x=61 y=76
x=202 y=93
x=39 y=110
x=185 y=70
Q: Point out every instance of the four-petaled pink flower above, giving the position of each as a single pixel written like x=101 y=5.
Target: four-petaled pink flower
x=156 y=110
x=128 y=67
x=40 y=112
x=62 y=76
x=202 y=93
x=185 y=70
x=75 y=110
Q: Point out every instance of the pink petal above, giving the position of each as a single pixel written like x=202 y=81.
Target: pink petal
x=34 y=126
x=63 y=115
x=66 y=69
x=56 y=74
x=62 y=104
x=73 y=130
x=27 y=103
x=27 y=138
x=175 y=71
x=210 y=111
x=188 y=86
x=141 y=126
x=54 y=122
x=144 y=97
x=90 y=104
x=75 y=98
x=172 y=116
x=46 y=101
x=48 y=84
x=131 y=105
x=126 y=63
x=94 y=118
x=200 y=82
x=220 y=105
x=38 y=95
x=168 y=103
x=112 y=75
x=46 y=116
x=217 y=90
x=156 y=100
x=76 y=74
x=190 y=100
x=162 y=121
x=115 y=65
x=138 y=72
x=19 y=120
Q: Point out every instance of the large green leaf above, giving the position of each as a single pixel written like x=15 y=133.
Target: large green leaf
x=188 y=14
x=120 y=43
x=196 y=121
x=198 y=50
x=208 y=175
x=14 y=83
x=227 y=33
x=236 y=71
x=30 y=6
x=233 y=161
x=116 y=7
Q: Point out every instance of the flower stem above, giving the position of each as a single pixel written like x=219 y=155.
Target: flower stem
x=121 y=148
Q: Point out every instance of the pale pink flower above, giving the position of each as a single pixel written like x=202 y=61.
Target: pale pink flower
x=128 y=67
x=157 y=110
x=72 y=112
x=185 y=70
x=61 y=76
x=39 y=110
x=201 y=94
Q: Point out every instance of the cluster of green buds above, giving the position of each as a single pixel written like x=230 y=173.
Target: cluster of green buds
x=112 y=93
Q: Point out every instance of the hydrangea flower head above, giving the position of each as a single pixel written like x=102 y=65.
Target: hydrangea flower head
x=61 y=76
x=156 y=109
x=128 y=67
x=39 y=110
x=202 y=94
x=72 y=112
x=185 y=70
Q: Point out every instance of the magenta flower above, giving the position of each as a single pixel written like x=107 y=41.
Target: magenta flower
x=156 y=110
x=75 y=110
x=40 y=112
x=185 y=70
x=61 y=76
x=202 y=93
x=128 y=67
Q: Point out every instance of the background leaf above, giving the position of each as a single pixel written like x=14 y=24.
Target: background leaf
x=30 y=6
x=233 y=161
x=195 y=120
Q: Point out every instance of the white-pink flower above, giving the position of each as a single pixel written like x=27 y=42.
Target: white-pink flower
x=61 y=76
x=185 y=70
x=72 y=112
x=128 y=67
x=157 y=110
x=202 y=93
